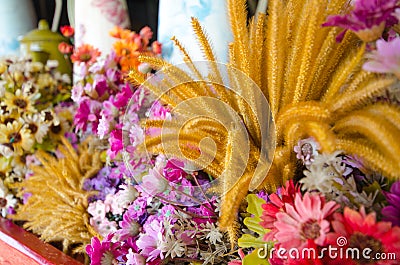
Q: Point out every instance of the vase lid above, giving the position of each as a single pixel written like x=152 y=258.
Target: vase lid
x=42 y=33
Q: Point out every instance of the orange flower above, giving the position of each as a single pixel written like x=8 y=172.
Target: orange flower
x=156 y=47
x=120 y=33
x=86 y=53
x=67 y=31
x=65 y=48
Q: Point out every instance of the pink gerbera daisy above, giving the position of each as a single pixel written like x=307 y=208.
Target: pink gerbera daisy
x=277 y=203
x=358 y=230
x=307 y=219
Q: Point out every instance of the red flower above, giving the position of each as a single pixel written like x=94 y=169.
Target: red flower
x=358 y=230
x=275 y=205
x=65 y=48
x=67 y=31
x=86 y=54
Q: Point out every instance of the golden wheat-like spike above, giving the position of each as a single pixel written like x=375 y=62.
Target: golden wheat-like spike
x=391 y=113
x=373 y=158
x=137 y=79
x=257 y=44
x=274 y=65
x=57 y=209
x=238 y=20
x=376 y=129
x=346 y=102
x=299 y=112
x=191 y=65
x=317 y=7
x=338 y=53
x=343 y=73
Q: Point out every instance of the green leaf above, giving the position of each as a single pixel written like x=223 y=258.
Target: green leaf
x=249 y=241
x=254 y=204
x=254 y=259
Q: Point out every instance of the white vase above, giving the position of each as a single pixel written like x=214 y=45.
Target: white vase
x=93 y=20
x=175 y=20
x=17 y=17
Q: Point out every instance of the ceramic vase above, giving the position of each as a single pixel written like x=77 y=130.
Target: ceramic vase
x=17 y=17
x=174 y=20
x=93 y=20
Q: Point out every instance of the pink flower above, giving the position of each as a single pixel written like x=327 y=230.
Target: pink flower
x=116 y=143
x=303 y=221
x=386 y=57
x=156 y=47
x=99 y=252
x=149 y=241
x=134 y=258
x=122 y=98
x=88 y=112
x=173 y=170
x=154 y=183
x=367 y=19
x=277 y=203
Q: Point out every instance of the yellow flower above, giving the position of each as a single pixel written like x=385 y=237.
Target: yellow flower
x=16 y=137
x=20 y=101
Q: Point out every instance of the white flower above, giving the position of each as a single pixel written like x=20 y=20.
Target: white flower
x=7 y=201
x=36 y=126
x=126 y=195
x=213 y=234
x=174 y=247
x=98 y=209
x=322 y=172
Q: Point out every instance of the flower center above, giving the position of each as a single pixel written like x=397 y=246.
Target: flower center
x=361 y=241
x=55 y=129
x=8 y=120
x=2 y=175
x=48 y=116
x=311 y=229
x=85 y=57
x=20 y=103
x=306 y=149
x=3 y=202
x=33 y=127
x=15 y=138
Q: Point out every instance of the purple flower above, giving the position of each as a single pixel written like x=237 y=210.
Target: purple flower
x=386 y=57
x=173 y=170
x=367 y=19
x=138 y=208
x=101 y=252
x=391 y=212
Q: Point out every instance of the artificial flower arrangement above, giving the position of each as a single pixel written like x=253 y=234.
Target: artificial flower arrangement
x=33 y=111
x=322 y=189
